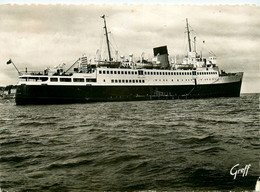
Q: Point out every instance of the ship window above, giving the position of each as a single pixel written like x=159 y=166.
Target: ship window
x=171 y=73
x=129 y=72
x=100 y=72
x=91 y=80
x=65 y=79
x=119 y=80
x=54 y=79
x=177 y=79
x=133 y=81
x=32 y=78
x=114 y=72
x=132 y=72
x=140 y=81
x=104 y=72
x=174 y=73
x=107 y=72
x=111 y=72
x=122 y=72
x=130 y=81
x=112 y=80
x=126 y=81
x=78 y=80
x=143 y=81
x=44 y=78
x=126 y=72
x=140 y=72
x=116 y=80
x=135 y=72
x=123 y=81
x=145 y=73
x=104 y=80
x=118 y=72
x=160 y=73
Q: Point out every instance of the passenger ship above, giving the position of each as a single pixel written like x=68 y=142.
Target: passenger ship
x=126 y=80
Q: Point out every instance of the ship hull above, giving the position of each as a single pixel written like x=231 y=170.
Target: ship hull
x=50 y=94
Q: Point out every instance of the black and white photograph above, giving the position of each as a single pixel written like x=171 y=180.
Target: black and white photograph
x=119 y=96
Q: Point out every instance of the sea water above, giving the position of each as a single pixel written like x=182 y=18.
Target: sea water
x=168 y=145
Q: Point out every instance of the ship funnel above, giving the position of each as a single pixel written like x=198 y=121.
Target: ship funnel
x=162 y=56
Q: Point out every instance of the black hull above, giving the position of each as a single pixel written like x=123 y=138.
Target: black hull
x=48 y=94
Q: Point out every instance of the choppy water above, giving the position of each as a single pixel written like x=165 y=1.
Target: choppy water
x=172 y=145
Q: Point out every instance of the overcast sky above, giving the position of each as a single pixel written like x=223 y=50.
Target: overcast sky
x=38 y=36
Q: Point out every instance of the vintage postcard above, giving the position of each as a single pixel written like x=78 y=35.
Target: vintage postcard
x=120 y=96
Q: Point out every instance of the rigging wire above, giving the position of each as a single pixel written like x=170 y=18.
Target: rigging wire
x=208 y=49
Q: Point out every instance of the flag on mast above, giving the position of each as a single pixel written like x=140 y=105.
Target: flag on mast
x=9 y=62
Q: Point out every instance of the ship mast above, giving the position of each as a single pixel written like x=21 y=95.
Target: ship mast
x=194 y=44
x=108 y=48
x=188 y=32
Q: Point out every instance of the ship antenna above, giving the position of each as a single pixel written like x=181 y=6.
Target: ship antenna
x=188 y=32
x=105 y=27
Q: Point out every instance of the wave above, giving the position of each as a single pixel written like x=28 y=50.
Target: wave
x=36 y=123
x=69 y=164
x=200 y=140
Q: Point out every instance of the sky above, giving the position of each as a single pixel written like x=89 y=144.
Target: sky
x=38 y=36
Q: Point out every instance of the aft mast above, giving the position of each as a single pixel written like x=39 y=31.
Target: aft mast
x=188 y=32
x=105 y=27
